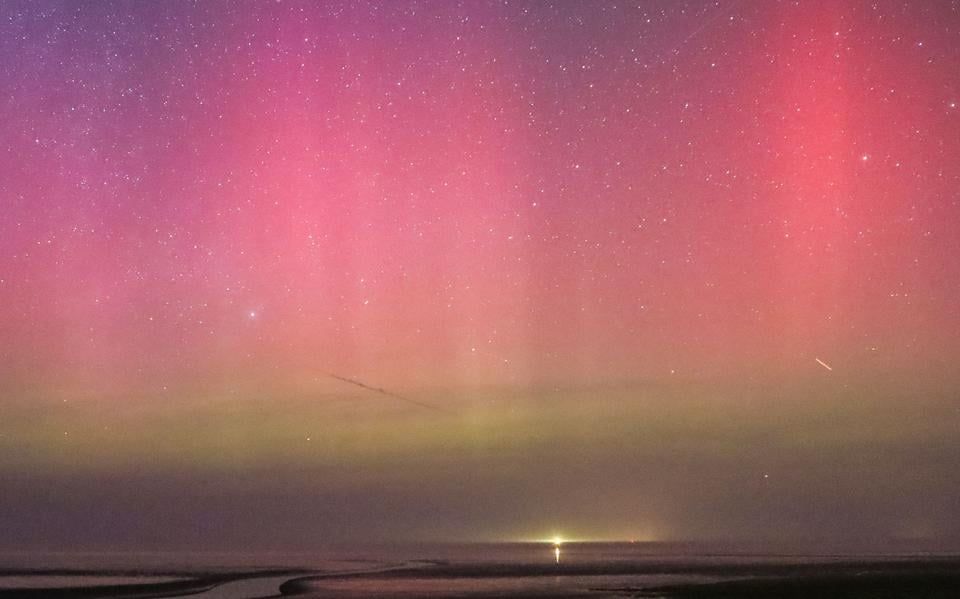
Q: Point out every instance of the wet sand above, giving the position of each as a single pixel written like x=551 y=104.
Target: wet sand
x=865 y=585
x=852 y=579
x=236 y=585
x=676 y=578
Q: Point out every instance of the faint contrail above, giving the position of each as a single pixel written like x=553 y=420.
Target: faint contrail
x=387 y=393
x=824 y=364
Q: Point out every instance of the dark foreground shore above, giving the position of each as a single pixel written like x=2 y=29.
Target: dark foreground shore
x=183 y=584
x=673 y=578
x=912 y=578
x=863 y=586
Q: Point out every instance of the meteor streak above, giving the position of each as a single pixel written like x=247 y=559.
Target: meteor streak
x=824 y=364
x=382 y=391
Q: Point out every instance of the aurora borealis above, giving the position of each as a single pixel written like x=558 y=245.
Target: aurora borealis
x=666 y=271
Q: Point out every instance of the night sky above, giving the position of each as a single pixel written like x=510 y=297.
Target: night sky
x=285 y=274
